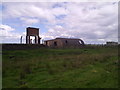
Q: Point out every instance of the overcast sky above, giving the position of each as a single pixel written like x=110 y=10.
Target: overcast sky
x=94 y=23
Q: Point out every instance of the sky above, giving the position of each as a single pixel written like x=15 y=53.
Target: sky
x=93 y=22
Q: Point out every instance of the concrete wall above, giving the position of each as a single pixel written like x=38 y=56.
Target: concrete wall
x=62 y=43
x=21 y=46
x=53 y=43
x=71 y=43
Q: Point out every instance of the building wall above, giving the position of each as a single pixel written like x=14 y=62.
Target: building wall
x=54 y=43
x=71 y=42
x=61 y=43
x=112 y=43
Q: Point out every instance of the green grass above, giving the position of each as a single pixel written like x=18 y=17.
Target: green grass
x=61 y=68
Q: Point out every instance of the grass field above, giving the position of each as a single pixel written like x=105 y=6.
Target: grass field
x=95 y=67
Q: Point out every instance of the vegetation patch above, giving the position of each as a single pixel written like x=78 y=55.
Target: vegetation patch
x=89 y=67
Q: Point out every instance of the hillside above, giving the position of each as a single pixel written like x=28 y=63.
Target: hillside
x=89 y=67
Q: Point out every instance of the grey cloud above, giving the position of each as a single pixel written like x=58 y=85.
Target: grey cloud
x=89 y=21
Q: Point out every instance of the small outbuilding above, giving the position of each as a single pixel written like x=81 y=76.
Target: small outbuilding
x=111 y=43
x=64 y=42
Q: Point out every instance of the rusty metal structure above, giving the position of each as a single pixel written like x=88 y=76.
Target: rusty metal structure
x=30 y=31
x=64 y=42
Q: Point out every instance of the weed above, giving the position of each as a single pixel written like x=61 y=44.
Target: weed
x=61 y=68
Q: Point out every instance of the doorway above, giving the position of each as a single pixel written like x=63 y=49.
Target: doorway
x=55 y=43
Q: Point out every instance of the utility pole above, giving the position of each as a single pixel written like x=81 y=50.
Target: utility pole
x=43 y=41
x=21 y=40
